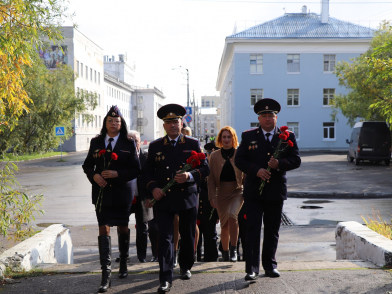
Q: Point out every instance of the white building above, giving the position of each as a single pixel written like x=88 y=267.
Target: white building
x=209 y=122
x=86 y=58
x=210 y=101
x=145 y=104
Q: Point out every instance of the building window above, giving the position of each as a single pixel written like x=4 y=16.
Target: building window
x=96 y=121
x=255 y=95
x=212 y=103
x=99 y=78
x=140 y=129
x=95 y=76
x=139 y=99
x=78 y=120
x=329 y=62
x=328 y=95
x=256 y=63
x=202 y=103
x=99 y=99
x=292 y=62
x=82 y=120
x=294 y=127
x=81 y=70
x=86 y=72
x=329 y=130
x=140 y=114
x=207 y=103
x=91 y=74
x=254 y=125
x=77 y=67
x=292 y=97
x=100 y=122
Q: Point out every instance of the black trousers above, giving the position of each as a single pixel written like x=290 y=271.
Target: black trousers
x=141 y=236
x=209 y=235
x=187 y=228
x=271 y=213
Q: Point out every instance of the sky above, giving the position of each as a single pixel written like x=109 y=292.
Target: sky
x=163 y=38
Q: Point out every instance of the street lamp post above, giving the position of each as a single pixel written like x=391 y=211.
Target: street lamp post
x=187 y=86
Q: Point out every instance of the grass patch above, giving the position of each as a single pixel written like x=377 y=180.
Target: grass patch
x=27 y=274
x=377 y=224
x=15 y=157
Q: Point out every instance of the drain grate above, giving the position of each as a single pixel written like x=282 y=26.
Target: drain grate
x=285 y=220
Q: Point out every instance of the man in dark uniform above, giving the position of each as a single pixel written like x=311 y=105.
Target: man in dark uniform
x=166 y=156
x=207 y=226
x=253 y=157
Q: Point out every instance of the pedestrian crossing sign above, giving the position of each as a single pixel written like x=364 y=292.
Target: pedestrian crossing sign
x=59 y=131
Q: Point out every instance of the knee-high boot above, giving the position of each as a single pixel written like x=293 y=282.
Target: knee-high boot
x=123 y=245
x=105 y=251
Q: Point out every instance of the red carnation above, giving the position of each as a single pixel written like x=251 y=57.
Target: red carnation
x=114 y=156
x=101 y=152
x=290 y=144
x=283 y=137
x=284 y=128
x=198 y=222
x=287 y=133
x=202 y=156
x=245 y=216
x=134 y=200
x=193 y=152
x=135 y=227
x=193 y=160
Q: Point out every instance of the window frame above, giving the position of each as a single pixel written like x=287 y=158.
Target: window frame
x=292 y=59
x=329 y=99
x=329 y=64
x=291 y=128
x=258 y=70
x=256 y=98
x=329 y=127
x=287 y=96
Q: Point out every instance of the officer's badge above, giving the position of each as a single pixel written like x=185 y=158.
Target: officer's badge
x=163 y=157
x=255 y=146
x=159 y=153
x=250 y=147
x=253 y=142
x=266 y=107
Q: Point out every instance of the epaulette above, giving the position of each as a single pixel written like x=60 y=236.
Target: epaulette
x=157 y=140
x=250 y=130
x=189 y=137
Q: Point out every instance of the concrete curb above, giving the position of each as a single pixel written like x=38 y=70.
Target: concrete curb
x=52 y=245
x=355 y=241
x=337 y=195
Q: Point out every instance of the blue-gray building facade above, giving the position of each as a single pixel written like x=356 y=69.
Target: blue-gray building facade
x=292 y=60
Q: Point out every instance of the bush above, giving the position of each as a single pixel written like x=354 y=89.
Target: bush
x=17 y=209
x=378 y=225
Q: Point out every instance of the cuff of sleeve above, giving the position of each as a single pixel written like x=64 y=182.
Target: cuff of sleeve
x=151 y=186
x=282 y=165
x=191 y=179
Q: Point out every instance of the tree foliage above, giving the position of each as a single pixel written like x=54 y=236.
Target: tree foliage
x=16 y=208
x=53 y=102
x=24 y=24
x=369 y=79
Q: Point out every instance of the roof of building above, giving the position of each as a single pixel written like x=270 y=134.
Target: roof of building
x=304 y=25
x=208 y=111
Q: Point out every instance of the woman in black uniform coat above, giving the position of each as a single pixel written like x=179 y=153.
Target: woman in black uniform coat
x=110 y=166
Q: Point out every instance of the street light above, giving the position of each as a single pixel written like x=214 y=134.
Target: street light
x=187 y=85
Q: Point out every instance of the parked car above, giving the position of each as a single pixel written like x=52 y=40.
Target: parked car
x=370 y=140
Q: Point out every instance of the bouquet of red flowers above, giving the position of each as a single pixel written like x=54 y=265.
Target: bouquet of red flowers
x=193 y=161
x=113 y=156
x=283 y=137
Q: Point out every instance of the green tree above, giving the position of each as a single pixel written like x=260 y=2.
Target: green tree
x=53 y=102
x=369 y=79
x=24 y=24
x=16 y=208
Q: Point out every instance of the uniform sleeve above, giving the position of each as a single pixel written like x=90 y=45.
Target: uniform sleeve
x=202 y=170
x=292 y=160
x=242 y=162
x=132 y=168
x=89 y=164
x=148 y=171
x=211 y=181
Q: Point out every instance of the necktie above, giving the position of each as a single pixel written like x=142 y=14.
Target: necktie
x=173 y=142
x=110 y=144
x=268 y=139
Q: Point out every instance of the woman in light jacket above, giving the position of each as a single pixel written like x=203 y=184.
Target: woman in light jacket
x=225 y=190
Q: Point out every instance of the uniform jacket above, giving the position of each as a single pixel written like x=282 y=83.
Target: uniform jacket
x=139 y=206
x=163 y=162
x=216 y=164
x=253 y=154
x=118 y=191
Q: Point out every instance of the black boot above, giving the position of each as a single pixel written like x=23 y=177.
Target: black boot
x=175 y=258
x=225 y=255
x=233 y=253
x=123 y=245
x=105 y=251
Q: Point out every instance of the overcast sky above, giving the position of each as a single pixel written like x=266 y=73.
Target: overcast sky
x=159 y=35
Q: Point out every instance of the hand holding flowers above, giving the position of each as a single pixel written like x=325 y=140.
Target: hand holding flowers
x=181 y=177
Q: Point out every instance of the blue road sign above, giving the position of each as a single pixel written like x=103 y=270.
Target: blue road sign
x=188 y=110
x=59 y=131
x=188 y=118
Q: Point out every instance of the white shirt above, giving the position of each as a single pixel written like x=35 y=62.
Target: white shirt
x=113 y=142
x=176 y=139
x=270 y=137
